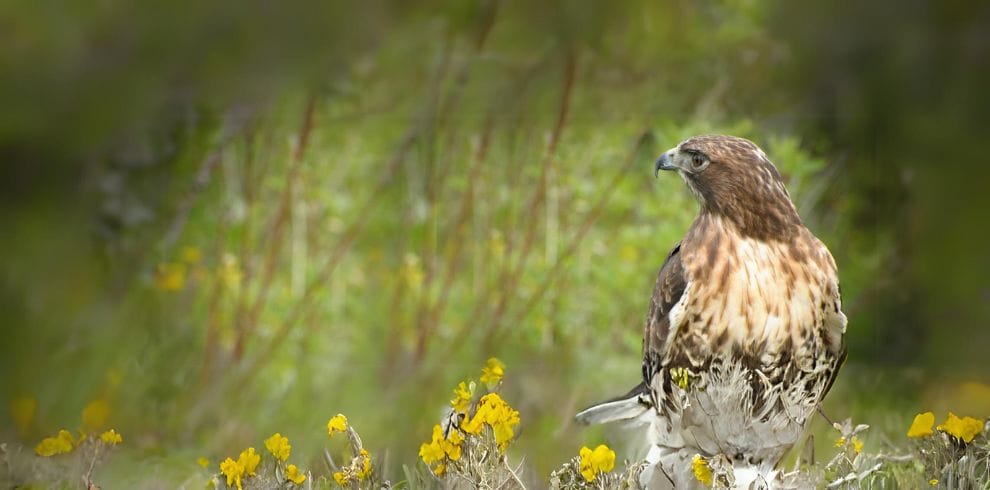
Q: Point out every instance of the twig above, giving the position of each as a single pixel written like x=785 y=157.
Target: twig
x=821 y=412
x=429 y=319
x=592 y=217
x=514 y=475
x=427 y=315
x=853 y=476
x=536 y=201
x=246 y=326
x=88 y=477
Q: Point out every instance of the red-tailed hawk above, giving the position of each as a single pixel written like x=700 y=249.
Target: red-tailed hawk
x=744 y=334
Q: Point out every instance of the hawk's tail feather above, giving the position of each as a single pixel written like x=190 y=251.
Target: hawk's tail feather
x=627 y=407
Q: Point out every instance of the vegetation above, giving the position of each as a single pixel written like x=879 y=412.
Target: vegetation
x=225 y=222
x=468 y=449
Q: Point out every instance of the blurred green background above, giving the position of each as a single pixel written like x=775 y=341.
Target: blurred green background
x=226 y=219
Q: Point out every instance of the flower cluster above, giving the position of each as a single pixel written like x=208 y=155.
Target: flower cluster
x=278 y=473
x=855 y=442
x=463 y=394
x=294 y=475
x=441 y=447
x=489 y=422
x=494 y=412
x=61 y=444
x=849 y=463
x=279 y=446
x=64 y=442
x=234 y=472
x=592 y=469
x=337 y=423
x=922 y=425
x=962 y=429
x=111 y=438
x=245 y=466
x=596 y=462
x=359 y=468
x=491 y=374
x=87 y=450
x=955 y=452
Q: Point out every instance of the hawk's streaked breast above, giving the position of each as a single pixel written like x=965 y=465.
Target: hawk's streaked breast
x=758 y=297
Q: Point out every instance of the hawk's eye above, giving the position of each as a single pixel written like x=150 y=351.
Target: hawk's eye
x=698 y=162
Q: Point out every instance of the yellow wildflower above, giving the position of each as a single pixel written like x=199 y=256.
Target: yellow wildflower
x=496 y=413
x=473 y=425
x=60 y=444
x=279 y=446
x=431 y=452
x=857 y=445
x=249 y=461
x=66 y=436
x=338 y=423
x=341 y=478
x=455 y=437
x=965 y=428
x=191 y=255
x=111 y=437
x=452 y=450
x=462 y=397
x=492 y=373
x=440 y=447
x=202 y=462
x=840 y=441
x=597 y=461
x=234 y=471
x=503 y=435
x=365 y=470
x=922 y=425
x=22 y=410
x=702 y=472
x=171 y=277
x=933 y=482
x=95 y=415
x=440 y=469
x=293 y=474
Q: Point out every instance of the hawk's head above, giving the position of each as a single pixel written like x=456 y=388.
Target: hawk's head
x=733 y=178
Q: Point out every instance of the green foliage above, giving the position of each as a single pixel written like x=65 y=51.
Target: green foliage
x=381 y=197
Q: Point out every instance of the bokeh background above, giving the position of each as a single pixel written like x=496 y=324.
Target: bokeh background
x=225 y=219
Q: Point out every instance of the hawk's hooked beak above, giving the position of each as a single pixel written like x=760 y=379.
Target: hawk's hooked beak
x=664 y=163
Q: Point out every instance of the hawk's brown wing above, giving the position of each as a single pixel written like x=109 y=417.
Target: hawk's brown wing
x=668 y=290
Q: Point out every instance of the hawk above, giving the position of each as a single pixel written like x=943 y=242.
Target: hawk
x=744 y=334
